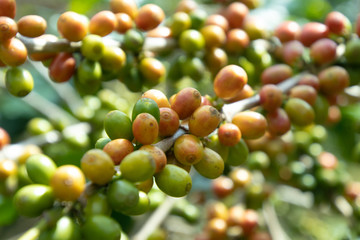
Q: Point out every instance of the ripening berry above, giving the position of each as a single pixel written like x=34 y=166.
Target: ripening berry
x=102 y=23
x=278 y=122
x=8 y=28
x=252 y=125
x=215 y=59
x=270 y=97
x=8 y=8
x=186 y=6
x=219 y=20
x=313 y=31
x=13 y=52
x=287 y=31
x=149 y=17
x=179 y=22
x=191 y=41
x=333 y=80
x=229 y=81
x=323 y=51
x=222 y=186
x=292 y=52
x=62 y=67
x=186 y=102
x=276 y=74
x=246 y=92
x=211 y=165
x=310 y=80
x=236 y=41
x=169 y=122
x=118 y=148
x=123 y=22
x=214 y=36
x=188 y=149
x=338 y=23
x=73 y=26
x=158 y=156
x=124 y=6
x=32 y=26
x=204 y=121
x=299 y=111
x=229 y=134
x=304 y=92
x=158 y=96
x=235 y=13
x=216 y=228
x=145 y=128
x=153 y=70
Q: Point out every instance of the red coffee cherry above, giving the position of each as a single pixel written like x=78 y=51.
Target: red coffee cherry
x=186 y=102
x=169 y=122
x=145 y=128
x=229 y=81
x=236 y=41
x=124 y=6
x=323 y=51
x=278 y=122
x=333 y=80
x=103 y=23
x=304 y=92
x=204 y=121
x=62 y=67
x=338 y=23
x=13 y=52
x=149 y=17
x=313 y=31
x=32 y=26
x=287 y=31
x=219 y=20
x=310 y=80
x=276 y=74
x=292 y=52
x=73 y=26
x=235 y=13
x=117 y=149
x=8 y=8
x=123 y=22
x=270 y=97
x=229 y=134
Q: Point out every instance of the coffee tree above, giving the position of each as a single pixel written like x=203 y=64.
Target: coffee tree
x=203 y=113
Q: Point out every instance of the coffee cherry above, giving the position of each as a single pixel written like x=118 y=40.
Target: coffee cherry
x=338 y=23
x=97 y=166
x=333 y=80
x=13 y=52
x=64 y=228
x=62 y=67
x=255 y=28
x=278 y=122
x=145 y=128
x=204 y=121
x=68 y=182
x=211 y=165
x=73 y=26
x=169 y=122
x=222 y=186
x=352 y=49
x=186 y=102
x=287 y=31
x=229 y=134
x=138 y=166
x=118 y=125
x=171 y=159
x=186 y=6
x=251 y=124
x=159 y=32
x=198 y=18
x=276 y=74
x=92 y=47
x=215 y=59
x=292 y=53
x=122 y=194
x=153 y=70
x=33 y=199
x=219 y=20
x=133 y=40
x=304 y=92
x=158 y=156
x=174 y=181
x=89 y=72
x=191 y=41
x=299 y=112
x=214 y=36
x=8 y=8
x=188 y=149
x=8 y=28
x=102 y=23
x=158 y=96
x=229 y=81
x=238 y=154
x=100 y=227
x=117 y=149
x=7 y=168
x=235 y=13
x=19 y=82
x=244 y=93
x=146 y=105
x=44 y=56
x=270 y=97
x=123 y=22
x=141 y=207
x=236 y=41
x=124 y=6
x=179 y=22
x=113 y=59
x=249 y=221
x=32 y=26
x=216 y=229
x=323 y=51
x=40 y=168
x=310 y=80
x=149 y=17
x=4 y=138
x=311 y=32
x=241 y=177
x=193 y=67
x=145 y=186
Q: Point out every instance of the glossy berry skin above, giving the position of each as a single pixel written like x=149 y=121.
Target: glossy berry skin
x=32 y=26
x=304 y=92
x=188 y=149
x=149 y=17
x=123 y=22
x=333 y=80
x=169 y=122
x=117 y=149
x=299 y=112
x=219 y=20
x=338 y=23
x=124 y=6
x=174 y=181
x=118 y=125
x=153 y=70
x=186 y=102
x=222 y=186
x=310 y=80
x=146 y=105
x=138 y=166
x=278 y=122
x=204 y=121
x=229 y=81
x=68 y=182
x=158 y=96
x=19 y=82
x=292 y=53
x=216 y=228
x=100 y=227
x=251 y=124
x=145 y=128
x=287 y=31
x=92 y=47
x=236 y=41
x=113 y=59
x=215 y=59
x=235 y=13
x=276 y=74
x=191 y=41
x=323 y=51
x=179 y=22
x=102 y=23
x=122 y=194
x=214 y=36
x=158 y=156
x=8 y=28
x=13 y=52
x=211 y=165
x=229 y=134
x=8 y=8
x=40 y=168
x=62 y=67
x=312 y=32
x=270 y=97
x=73 y=26
x=97 y=166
